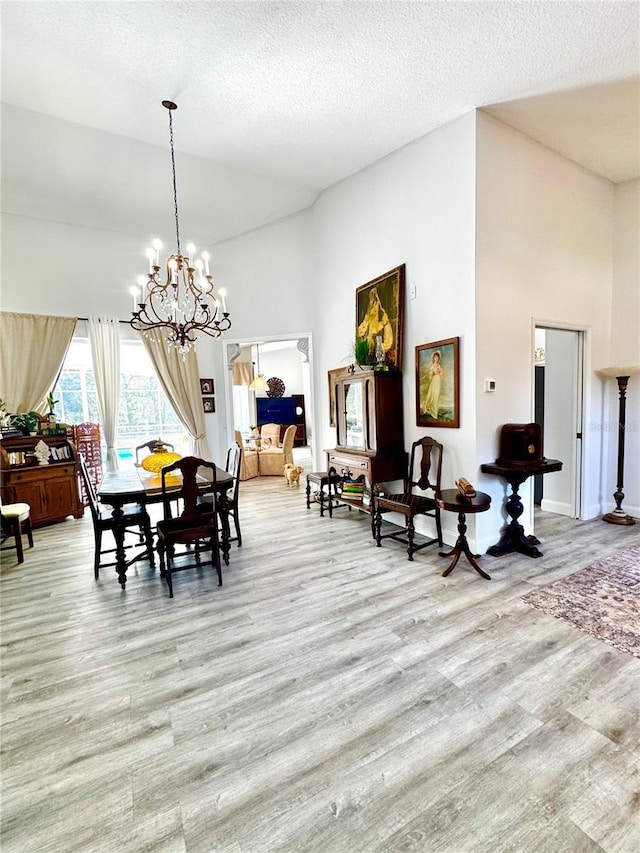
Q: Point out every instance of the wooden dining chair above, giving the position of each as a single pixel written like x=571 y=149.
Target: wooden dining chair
x=232 y=466
x=418 y=497
x=195 y=529
x=136 y=519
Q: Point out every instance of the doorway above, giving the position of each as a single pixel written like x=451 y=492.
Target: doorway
x=558 y=408
x=285 y=362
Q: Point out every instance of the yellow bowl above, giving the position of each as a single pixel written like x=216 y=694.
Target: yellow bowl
x=155 y=462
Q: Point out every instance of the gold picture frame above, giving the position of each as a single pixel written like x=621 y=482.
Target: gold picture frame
x=379 y=319
x=438 y=384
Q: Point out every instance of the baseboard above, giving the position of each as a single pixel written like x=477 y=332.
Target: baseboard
x=559 y=507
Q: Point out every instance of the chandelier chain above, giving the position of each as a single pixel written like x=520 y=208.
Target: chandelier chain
x=175 y=191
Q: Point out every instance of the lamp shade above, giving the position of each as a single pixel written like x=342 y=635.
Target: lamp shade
x=159 y=459
x=613 y=372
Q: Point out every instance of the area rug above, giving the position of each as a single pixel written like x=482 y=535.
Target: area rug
x=603 y=600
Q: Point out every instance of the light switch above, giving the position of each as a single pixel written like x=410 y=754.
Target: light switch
x=489 y=385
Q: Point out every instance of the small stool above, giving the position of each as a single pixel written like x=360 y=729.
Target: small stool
x=452 y=501
x=331 y=479
x=14 y=516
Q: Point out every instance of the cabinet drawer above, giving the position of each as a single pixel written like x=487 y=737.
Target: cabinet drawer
x=355 y=464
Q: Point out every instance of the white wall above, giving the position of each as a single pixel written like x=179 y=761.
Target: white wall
x=416 y=207
x=625 y=348
x=543 y=252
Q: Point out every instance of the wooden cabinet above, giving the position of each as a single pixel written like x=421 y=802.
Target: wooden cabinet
x=369 y=426
x=50 y=490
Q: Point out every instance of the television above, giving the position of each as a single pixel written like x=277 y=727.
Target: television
x=275 y=410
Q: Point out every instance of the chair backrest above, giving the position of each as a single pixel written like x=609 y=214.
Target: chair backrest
x=271 y=432
x=425 y=465
x=188 y=467
x=239 y=439
x=287 y=443
x=154 y=444
x=92 y=496
x=233 y=465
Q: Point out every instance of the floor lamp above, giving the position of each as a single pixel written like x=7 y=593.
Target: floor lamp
x=621 y=375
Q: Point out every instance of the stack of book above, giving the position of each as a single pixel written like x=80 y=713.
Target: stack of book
x=352 y=490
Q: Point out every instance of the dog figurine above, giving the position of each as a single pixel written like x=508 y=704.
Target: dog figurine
x=292 y=474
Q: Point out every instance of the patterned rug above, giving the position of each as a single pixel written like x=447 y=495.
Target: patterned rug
x=603 y=600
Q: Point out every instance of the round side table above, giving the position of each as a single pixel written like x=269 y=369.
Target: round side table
x=452 y=501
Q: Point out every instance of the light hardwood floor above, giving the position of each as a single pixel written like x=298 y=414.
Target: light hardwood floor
x=330 y=697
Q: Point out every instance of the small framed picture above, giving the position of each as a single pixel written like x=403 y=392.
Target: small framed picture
x=209 y=404
x=206 y=387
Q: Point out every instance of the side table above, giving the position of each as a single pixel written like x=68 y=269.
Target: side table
x=513 y=537
x=452 y=501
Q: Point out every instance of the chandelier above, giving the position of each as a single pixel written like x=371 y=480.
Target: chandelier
x=259 y=383
x=185 y=304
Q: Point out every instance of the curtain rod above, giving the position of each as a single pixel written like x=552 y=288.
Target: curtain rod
x=86 y=320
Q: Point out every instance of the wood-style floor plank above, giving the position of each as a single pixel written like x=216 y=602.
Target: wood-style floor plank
x=331 y=697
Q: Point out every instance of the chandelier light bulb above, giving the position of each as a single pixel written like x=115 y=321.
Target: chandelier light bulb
x=223 y=296
x=191 y=249
x=205 y=258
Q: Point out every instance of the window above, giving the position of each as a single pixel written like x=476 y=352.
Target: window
x=144 y=411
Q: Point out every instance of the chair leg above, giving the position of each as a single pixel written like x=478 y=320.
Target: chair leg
x=97 y=545
x=439 y=527
x=16 y=532
x=378 y=525
x=410 y=534
x=236 y=524
x=215 y=551
x=148 y=536
x=28 y=530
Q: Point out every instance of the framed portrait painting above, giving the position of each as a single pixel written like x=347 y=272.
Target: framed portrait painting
x=209 y=404
x=379 y=320
x=206 y=386
x=438 y=384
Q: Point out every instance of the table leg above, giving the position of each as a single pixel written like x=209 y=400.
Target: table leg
x=118 y=531
x=223 y=512
x=513 y=537
x=462 y=547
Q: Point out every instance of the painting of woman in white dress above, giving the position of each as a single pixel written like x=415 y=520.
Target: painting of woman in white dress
x=437 y=384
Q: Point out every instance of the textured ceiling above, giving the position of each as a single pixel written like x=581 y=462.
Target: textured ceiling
x=285 y=99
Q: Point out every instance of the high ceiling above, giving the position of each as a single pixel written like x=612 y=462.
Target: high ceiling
x=278 y=100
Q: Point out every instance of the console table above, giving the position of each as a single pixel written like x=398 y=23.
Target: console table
x=513 y=537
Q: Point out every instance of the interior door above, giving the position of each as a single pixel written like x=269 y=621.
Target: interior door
x=562 y=419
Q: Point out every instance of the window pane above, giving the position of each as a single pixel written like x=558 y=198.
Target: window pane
x=144 y=411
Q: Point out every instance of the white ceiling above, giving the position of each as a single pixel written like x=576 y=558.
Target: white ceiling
x=278 y=100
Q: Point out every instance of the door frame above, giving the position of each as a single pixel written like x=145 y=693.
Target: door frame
x=582 y=334
x=305 y=348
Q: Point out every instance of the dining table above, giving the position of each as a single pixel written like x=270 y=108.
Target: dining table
x=136 y=485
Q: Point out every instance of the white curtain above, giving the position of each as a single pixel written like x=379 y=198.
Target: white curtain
x=180 y=379
x=242 y=373
x=32 y=350
x=104 y=337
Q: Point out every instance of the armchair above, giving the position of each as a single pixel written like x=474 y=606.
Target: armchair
x=249 y=465
x=273 y=459
x=270 y=435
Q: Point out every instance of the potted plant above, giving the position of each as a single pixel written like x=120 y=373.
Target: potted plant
x=51 y=403
x=26 y=421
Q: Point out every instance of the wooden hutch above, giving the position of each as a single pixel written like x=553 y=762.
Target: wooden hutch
x=369 y=426
x=50 y=490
